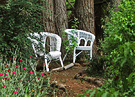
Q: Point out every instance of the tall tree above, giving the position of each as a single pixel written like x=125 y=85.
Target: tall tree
x=60 y=12
x=48 y=16
x=84 y=11
x=61 y=22
x=55 y=16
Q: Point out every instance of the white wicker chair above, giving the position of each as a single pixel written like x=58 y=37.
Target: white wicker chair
x=80 y=35
x=39 y=39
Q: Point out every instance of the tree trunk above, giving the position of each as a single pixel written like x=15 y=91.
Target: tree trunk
x=84 y=11
x=61 y=22
x=48 y=15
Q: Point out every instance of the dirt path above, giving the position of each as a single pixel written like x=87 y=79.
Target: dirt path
x=72 y=86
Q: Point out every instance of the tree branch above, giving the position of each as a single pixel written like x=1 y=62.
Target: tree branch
x=70 y=4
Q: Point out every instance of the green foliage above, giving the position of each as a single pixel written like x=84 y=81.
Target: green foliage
x=69 y=6
x=75 y=23
x=73 y=40
x=119 y=53
x=19 y=78
x=119 y=45
x=119 y=42
x=67 y=43
x=17 y=19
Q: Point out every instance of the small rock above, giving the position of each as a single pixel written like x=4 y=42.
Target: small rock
x=62 y=87
x=77 y=64
x=85 y=64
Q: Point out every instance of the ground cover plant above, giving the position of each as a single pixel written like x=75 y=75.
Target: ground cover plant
x=18 y=77
x=118 y=49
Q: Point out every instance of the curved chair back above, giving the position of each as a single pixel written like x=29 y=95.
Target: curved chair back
x=39 y=41
x=80 y=35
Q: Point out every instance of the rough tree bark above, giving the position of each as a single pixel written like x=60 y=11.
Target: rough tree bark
x=61 y=22
x=48 y=16
x=55 y=16
x=84 y=11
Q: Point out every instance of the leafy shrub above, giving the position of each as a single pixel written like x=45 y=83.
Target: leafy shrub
x=119 y=42
x=119 y=53
x=17 y=19
x=68 y=48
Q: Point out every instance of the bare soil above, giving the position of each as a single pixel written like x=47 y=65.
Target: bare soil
x=65 y=83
